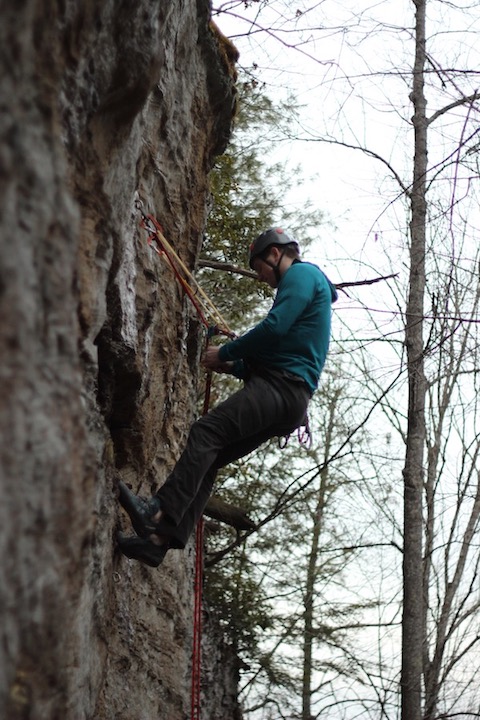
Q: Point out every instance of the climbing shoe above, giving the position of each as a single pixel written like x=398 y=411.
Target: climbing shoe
x=139 y=510
x=143 y=550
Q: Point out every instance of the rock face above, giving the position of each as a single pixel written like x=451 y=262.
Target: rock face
x=101 y=102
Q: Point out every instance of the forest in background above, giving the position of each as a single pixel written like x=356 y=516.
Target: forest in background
x=357 y=593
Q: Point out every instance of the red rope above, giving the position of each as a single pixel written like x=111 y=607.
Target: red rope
x=198 y=589
x=197 y=624
x=198 y=581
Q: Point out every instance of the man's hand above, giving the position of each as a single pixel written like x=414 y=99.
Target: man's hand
x=211 y=361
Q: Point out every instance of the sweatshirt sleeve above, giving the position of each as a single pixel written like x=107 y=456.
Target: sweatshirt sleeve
x=295 y=292
x=238 y=369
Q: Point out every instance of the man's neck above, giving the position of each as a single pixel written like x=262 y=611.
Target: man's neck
x=285 y=264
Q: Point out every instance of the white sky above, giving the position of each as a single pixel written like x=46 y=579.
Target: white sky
x=351 y=76
x=355 y=88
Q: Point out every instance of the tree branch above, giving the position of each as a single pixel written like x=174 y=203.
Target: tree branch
x=365 y=282
x=456 y=103
x=229 y=514
x=287 y=497
x=228 y=267
x=371 y=153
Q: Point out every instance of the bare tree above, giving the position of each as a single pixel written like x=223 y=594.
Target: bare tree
x=412 y=635
x=431 y=184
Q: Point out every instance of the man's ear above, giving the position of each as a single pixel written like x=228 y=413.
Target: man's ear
x=274 y=252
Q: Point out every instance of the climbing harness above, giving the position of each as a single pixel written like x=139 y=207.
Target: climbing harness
x=215 y=325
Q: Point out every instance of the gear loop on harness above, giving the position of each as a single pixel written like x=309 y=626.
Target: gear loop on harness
x=304 y=432
x=304 y=435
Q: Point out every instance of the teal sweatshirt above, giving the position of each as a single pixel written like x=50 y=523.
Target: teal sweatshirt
x=295 y=334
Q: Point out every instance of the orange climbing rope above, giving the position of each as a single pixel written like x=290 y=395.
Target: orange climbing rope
x=215 y=325
x=206 y=310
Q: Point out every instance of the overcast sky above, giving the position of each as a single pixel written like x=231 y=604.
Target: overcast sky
x=349 y=66
x=351 y=76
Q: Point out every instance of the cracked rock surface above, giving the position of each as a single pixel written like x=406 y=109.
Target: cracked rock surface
x=100 y=103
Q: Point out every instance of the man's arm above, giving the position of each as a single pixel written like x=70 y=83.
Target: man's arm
x=296 y=292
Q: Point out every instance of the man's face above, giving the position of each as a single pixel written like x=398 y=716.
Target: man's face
x=265 y=273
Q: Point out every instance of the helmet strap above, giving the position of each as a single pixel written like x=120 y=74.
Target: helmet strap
x=275 y=267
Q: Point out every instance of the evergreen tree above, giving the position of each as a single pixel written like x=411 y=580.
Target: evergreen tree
x=266 y=592
x=248 y=196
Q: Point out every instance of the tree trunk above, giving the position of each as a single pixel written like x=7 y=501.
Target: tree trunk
x=312 y=571
x=412 y=625
x=308 y=602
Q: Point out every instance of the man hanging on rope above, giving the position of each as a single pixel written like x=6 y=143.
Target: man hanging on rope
x=280 y=360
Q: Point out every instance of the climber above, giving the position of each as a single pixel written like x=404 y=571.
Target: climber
x=280 y=360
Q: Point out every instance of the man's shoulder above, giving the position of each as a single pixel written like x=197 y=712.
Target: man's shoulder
x=305 y=269
x=310 y=275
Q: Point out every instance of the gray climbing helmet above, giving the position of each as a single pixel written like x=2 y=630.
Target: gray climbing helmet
x=272 y=236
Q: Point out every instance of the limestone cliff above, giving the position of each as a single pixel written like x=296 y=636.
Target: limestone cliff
x=100 y=101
